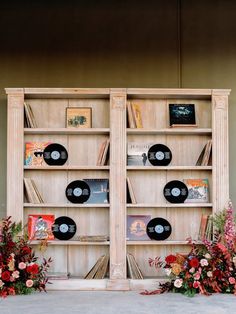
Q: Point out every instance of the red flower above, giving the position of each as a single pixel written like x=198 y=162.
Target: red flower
x=11 y=291
x=6 y=275
x=10 y=244
x=170 y=259
x=25 y=250
x=33 y=269
x=194 y=262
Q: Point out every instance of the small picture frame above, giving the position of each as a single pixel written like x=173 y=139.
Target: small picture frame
x=182 y=115
x=78 y=117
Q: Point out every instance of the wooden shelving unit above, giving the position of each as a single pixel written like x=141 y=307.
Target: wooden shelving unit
x=109 y=120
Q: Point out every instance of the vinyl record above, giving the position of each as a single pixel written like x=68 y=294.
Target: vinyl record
x=55 y=155
x=64 y=228
x=175 y=191
x=78 y=191
x=158 y=229
x=159 y=155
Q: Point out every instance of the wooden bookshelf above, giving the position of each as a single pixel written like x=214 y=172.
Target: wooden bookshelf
x=109 y=121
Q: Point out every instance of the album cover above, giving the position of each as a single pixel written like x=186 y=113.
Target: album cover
x=78 y=117
x=137 y=154
x=136 y=227
x=40 y=227
x=198 y=190
x=34 y=153
x=99 y=191
x=182 y=114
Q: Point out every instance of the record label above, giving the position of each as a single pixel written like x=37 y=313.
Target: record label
x=78 y=191
x=158 y=229
x=64 y=228
x=175 y=191
x=55 y=154
x=159 y=155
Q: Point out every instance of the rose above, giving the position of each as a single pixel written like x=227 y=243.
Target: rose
x=197 y=276
x=232 y=280
x=209 y=274
x=170 y=259
x=6 y=276
x=11 y=291
x=196 y=284
x=207 y=255
x=176 y=269
x=29 y=283
x=178 y=283
x=192 y=270
x=1 y=283
x=194 y=262
x=33 y=269
x=22 y=265
x=168 y=271
x=16 y=274
x=25 y=250
x=203 y=262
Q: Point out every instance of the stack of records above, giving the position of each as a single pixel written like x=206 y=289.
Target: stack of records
x=134 y=271
x=99 y=270
x=30 y=121
x=31 y=192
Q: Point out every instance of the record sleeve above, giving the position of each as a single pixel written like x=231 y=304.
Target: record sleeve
x=34 y=153
x=198 y=190
x=40 y=227
x=99 y=191
x=137 y=227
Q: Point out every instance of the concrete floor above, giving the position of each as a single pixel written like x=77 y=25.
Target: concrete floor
x=116 y=303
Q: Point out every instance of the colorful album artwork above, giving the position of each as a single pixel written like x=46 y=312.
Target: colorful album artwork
x=34 y=153
x=40 y=227
x=137 y=226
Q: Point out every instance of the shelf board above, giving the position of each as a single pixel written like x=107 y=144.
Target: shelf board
x=66 y=168
x=55 y=205
x=69 y=242
x=181 y=205
x=66 y=131
x=173 y=168
x=170 y=131
x=152 y=242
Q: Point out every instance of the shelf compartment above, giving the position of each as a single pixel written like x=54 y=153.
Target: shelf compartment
x=169 y=205
x=173 y=168
x=66 y=131
x=70 y=168
x=170 y=131
x=70 y=242
x=161 y=242
x=51 y=205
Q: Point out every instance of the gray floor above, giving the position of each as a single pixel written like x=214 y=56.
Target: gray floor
x=116 y=303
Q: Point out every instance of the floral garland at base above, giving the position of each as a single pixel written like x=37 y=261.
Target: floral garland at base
x=19 y=271
x=207 y=269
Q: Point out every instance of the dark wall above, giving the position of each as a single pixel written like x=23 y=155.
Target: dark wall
x=161 y=43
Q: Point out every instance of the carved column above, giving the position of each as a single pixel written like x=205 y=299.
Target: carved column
x=117 y=187
x=220 y=149
x=15 y=154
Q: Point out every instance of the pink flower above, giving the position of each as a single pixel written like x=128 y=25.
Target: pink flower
x=192 y=270
x=12 y=279
x=29 y=283
x=229 y=228
x=197 y=276
x=16 y=274
x=209 y=274
x=203 y=262
x=232 y=280
x=196 y=284
x=22 y=265
x=1 y=283
x=178 y=283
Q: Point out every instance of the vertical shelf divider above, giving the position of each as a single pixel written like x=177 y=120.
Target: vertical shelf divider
x=118 y=190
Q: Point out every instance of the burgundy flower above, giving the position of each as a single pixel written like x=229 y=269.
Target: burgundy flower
x=33 y=269
x=170 y=259
x=25 y=250
x=194 y=262
x=6 y=275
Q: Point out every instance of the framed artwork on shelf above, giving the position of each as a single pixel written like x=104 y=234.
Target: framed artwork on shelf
x=78 y=117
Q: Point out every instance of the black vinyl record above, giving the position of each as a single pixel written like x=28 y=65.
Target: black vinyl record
x=159 y=155
x=64 y=228
x=175 y=191
x=55 y=155
x=158 y=229
x=78 y=191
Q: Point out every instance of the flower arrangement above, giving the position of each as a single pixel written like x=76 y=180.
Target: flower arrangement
x=206 y=269
x=19 y=271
